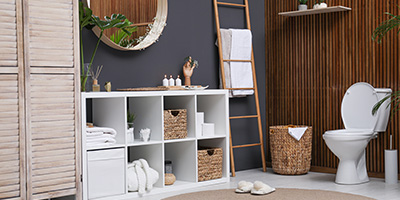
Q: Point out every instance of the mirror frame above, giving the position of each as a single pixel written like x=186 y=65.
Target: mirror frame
x=155 y=32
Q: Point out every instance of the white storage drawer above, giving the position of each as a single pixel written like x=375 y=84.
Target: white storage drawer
x=106 y=172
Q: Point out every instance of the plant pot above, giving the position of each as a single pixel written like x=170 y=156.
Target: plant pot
x=302 y=7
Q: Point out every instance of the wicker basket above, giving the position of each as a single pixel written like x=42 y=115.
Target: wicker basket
x=175 y=123
x=209 y=163
x=290 y=156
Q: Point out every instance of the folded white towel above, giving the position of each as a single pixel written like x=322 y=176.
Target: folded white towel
x=241 y=72
x=97 y=145
x=226 y=42
x=105 y=130
x=297 y=133
x=88 y=138
x=94 y=134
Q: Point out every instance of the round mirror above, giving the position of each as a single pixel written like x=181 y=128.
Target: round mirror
x=148 y=16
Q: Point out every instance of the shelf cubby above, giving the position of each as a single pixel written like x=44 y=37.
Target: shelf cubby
x=110 y=112
x=148 y=111
x=183 y=102
x=215 y=110
x=221 y=143
x=153 y=154
x=183 y=157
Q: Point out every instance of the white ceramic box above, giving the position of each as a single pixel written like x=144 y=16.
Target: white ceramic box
x=106 y=173
x=199 y=123
x=208 y=129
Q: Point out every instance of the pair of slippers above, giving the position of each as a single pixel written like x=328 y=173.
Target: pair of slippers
x=258 y=188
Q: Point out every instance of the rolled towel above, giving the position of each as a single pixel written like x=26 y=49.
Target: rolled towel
x=105 y=130
x=151 y=174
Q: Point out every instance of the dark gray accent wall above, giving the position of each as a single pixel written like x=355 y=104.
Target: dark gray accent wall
x=191 y=31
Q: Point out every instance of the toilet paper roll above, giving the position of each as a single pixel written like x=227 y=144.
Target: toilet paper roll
x=391 y=166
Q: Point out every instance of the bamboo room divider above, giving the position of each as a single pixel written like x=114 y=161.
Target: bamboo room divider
x=312 y=60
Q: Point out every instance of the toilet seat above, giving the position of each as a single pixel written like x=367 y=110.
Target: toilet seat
x=357 y=105
x=349 y=132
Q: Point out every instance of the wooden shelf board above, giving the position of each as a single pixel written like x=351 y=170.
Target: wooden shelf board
x=315 y=11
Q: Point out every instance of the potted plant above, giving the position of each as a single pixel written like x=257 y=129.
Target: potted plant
x=391 y=167
x=88 y=20
x=303 y=5
x=130 y=119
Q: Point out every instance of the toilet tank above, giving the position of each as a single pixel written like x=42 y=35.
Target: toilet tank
x=383 y=112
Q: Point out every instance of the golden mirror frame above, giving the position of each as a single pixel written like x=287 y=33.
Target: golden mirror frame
x=157 y=28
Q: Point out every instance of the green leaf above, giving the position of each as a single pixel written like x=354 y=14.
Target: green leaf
x=386 y=26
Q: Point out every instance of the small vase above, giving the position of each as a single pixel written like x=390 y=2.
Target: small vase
x=130 y=134
x=302 y=7
x=95 y=86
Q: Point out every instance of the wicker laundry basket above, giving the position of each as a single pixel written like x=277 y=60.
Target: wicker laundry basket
x=209 y=163
x=175 y=124
x=290 y=156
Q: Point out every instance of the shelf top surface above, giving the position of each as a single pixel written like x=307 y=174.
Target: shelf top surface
x=153 y=93
x=314 y=11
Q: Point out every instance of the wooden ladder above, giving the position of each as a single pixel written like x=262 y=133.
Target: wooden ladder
x=222 y=60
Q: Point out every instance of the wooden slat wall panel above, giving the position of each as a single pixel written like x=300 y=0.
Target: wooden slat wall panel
x=312 y=60
x=51 y=43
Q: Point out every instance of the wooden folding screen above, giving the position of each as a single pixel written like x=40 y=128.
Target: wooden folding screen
x=312 y=60
x=46 y=79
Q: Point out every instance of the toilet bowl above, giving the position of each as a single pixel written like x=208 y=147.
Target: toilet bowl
x=360 y=127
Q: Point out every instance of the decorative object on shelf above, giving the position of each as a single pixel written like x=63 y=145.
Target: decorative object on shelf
x=130 y=132
x=195 y=87
x=107 y=86
x=168 y=166
x=145 y=134
x=209 y=163
x=303 y=5
x=188 y=67
x=88 y=20
x=199 y=123
x=169 y=179
x=178 y=81
x=320 y=4
x=288 y=155
x=171 y=81
x=141 y=177
x=208 y=129
x=95 y=77
x=165 y=81
x=175 y=124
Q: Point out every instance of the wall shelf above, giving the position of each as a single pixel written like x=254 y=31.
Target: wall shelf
x=314 y=11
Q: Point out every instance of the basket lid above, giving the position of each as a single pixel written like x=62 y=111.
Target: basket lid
x=357 y=105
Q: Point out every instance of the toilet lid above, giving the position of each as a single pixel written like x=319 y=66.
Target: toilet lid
x=357 y=106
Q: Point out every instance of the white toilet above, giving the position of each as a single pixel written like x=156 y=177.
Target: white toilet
x=360 y=127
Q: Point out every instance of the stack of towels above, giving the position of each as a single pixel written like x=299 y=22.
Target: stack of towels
x=100 y=136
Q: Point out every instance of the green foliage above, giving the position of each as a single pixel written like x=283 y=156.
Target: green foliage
x=88 y=20
x=121 y=38
x=130 y=118
x=386 y=26
x=395 y=100
x=303 y=1
x=193 y=63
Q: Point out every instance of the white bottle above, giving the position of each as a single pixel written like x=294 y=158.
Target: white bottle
x=165 y=81
x=171 y=81
x=178 y=81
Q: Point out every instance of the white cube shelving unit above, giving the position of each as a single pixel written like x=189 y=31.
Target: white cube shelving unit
x=109 y=109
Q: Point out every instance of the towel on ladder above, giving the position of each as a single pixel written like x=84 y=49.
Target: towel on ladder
x=237 y=45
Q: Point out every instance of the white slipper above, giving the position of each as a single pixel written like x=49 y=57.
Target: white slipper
x=244 y=187
x=261 y=188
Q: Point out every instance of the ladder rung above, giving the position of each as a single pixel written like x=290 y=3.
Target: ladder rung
x=246 y=145
x=244 y=117
x=231 y=4
x=228 y=60
x=240 y=88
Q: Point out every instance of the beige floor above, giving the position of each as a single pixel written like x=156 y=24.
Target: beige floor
x=376 y=188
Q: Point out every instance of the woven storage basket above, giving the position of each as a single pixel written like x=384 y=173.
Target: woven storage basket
x=209 y=163
x=290 y=156
x=175 y=123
